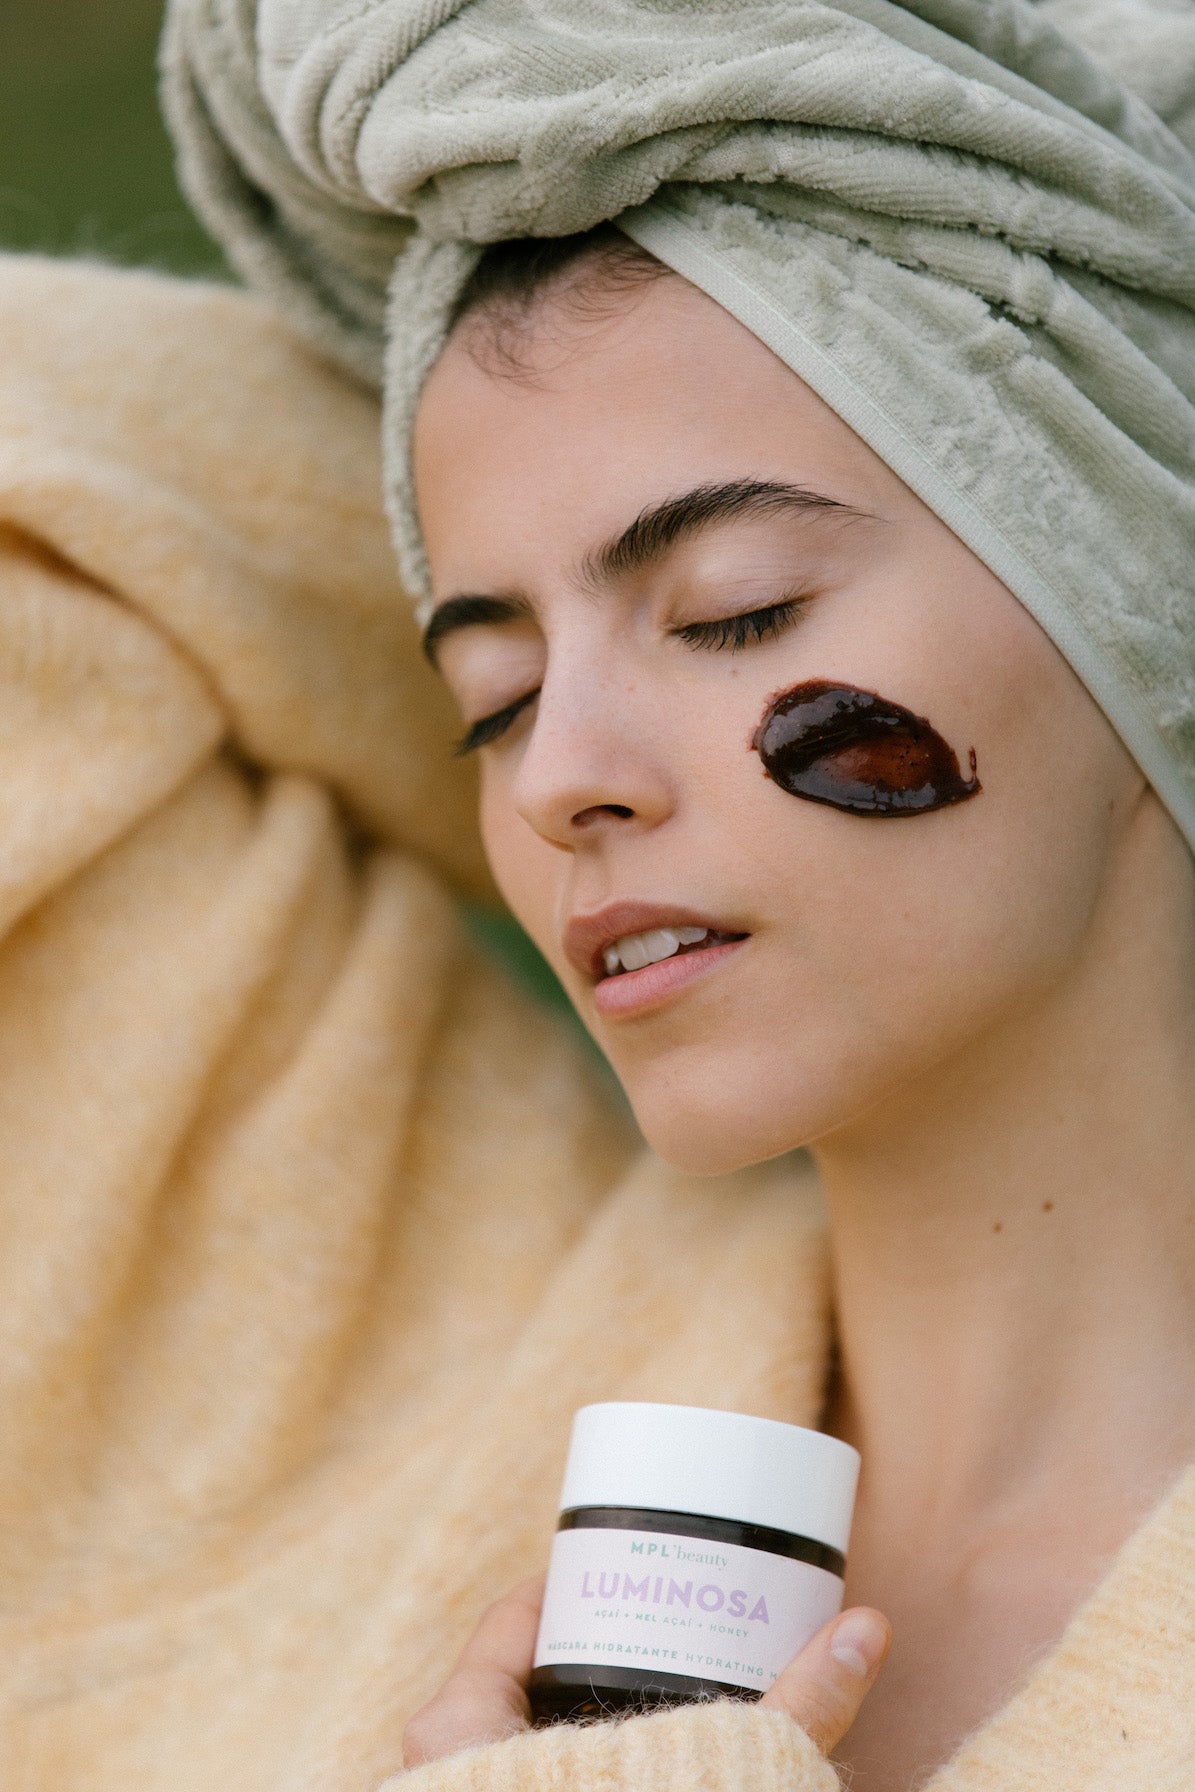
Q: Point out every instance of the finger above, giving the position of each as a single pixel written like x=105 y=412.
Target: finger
x=485 y=1698
x=504 y=1640
x=824 y=1686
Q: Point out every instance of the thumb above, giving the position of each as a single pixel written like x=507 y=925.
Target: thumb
x=823 y=1687
x=485 y=1697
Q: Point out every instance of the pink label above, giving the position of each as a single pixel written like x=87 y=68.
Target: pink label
x=680 y=1605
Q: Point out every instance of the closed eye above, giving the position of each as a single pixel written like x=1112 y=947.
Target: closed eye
x=743 y=630
x=491 y=726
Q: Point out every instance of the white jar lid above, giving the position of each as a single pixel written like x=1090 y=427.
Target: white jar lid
x=715 y=1464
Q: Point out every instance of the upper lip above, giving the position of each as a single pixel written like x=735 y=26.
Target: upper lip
x=587 y=936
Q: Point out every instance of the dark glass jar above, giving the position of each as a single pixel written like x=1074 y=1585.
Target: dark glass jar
x=653 y=1602
x=574 y=1692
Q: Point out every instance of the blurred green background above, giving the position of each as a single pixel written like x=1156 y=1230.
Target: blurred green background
x=86 y=168
x=85 y=164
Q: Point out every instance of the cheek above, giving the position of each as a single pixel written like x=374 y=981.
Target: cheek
x=935 y=924
x=527 y=871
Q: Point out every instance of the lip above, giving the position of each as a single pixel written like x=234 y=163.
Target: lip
x=587 y=936
x=631 y=992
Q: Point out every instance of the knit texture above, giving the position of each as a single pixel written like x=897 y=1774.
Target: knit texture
x=314 y=1232
x=719 y=1747
x=969 y=237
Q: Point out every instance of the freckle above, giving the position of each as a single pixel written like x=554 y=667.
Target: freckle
x=999 y=1226
x=1047 y=1206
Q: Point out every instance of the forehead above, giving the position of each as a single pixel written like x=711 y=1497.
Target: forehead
x=662 y=391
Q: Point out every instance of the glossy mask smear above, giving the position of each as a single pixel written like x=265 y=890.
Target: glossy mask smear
x=837 y=744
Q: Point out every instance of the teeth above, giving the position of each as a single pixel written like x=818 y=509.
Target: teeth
x=635 y=950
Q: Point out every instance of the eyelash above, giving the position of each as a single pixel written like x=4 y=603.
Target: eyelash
x=490 y=727
x=744 y=630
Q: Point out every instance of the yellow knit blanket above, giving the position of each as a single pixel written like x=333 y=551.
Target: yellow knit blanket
x=313 y=1231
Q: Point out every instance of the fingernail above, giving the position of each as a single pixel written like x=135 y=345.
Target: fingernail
x=858 y=1642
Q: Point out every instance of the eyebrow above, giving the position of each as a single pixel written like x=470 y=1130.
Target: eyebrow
x=647 y=539
x=660 y=527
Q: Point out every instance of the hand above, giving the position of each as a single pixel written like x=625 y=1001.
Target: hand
x=485 y=1697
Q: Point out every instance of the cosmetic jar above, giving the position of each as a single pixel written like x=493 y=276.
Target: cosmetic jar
x=697 y=1552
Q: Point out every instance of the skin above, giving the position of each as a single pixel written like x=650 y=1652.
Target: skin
x=981 y=1020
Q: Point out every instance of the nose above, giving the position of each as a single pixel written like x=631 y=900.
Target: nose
x=593 y=762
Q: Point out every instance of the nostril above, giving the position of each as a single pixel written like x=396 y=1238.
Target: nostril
x=584 y=816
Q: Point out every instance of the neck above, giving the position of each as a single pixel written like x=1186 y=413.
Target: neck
x=1014 y=1243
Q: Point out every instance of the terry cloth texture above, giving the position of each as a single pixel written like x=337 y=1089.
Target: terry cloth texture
x=968 y=237
x=314 y=1232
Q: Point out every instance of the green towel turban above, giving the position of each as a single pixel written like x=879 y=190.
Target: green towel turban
x=970 y=238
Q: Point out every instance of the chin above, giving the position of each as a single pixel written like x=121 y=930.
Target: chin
x=711 y=1139
x=711 y=1116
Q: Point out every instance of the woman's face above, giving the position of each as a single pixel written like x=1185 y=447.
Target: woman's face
x=847 y=955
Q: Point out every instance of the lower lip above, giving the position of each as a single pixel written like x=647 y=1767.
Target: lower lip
x=632 y=991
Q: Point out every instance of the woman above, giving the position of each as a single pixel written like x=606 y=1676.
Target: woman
x=616 y=488
x=906 y=428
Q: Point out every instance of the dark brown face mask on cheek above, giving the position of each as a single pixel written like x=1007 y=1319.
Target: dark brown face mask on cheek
x=837 y=744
